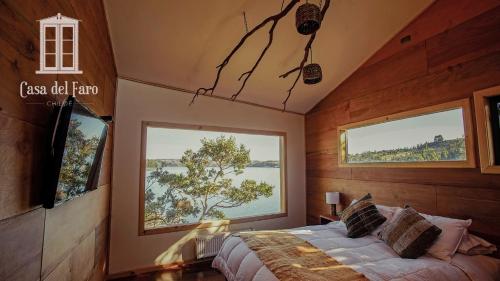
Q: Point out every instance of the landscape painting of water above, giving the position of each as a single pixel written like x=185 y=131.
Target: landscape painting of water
x=195 y=176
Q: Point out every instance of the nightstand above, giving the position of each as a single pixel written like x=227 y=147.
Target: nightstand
x=325 y=219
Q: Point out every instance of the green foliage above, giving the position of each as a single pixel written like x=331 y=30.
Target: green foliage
x=204 y=191
x=438 y=138
x=77 y=164
x=438 y=150
x=153 y=163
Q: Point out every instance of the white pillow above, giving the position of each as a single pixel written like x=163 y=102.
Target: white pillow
x=452 y=232
x=472 y=245
x=387 y=211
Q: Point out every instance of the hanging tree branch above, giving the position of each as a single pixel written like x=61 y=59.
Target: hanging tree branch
x=304 y=59
x=246 y=75
x=274 y=19
x=298 y=68
x=250 y=72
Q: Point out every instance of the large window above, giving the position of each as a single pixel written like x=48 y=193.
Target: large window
x=437 y=136
x=196 y=176
x=487 y=105
x=495 y=127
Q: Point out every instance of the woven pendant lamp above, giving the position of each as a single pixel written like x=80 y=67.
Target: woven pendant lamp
x=307 y=18
x=312 y=74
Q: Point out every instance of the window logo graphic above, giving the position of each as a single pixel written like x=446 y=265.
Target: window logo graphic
x=59 y=45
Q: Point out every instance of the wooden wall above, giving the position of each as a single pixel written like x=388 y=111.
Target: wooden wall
x=455 y=50
x=68 y=242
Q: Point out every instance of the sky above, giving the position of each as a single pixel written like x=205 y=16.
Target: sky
x=163 y=143
x=406 y=132
x=91 y=127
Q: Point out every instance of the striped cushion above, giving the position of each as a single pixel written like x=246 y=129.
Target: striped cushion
x=409 y=234
x=362 y=217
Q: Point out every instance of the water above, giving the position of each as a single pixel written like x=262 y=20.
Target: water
x=261 y=206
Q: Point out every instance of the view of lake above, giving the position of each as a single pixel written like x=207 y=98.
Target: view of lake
x=261 y=206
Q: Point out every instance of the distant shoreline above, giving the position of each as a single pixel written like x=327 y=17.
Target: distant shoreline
x=152 y=163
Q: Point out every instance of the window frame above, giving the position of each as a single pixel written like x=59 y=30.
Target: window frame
x=483 y=127
x=216 y=223
x=463 y=104
x=43 y=53
x=59 y=22
x=61 y=48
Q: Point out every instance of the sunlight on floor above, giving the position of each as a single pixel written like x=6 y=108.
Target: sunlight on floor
x=175 y=252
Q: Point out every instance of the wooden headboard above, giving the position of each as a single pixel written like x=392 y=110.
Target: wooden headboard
x=479 y=204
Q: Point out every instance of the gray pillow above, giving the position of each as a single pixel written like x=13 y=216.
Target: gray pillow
x=409 y=234
x=362 y=217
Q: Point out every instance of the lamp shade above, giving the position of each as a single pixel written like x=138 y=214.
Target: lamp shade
x=332 y=197
x=312 y=74
x=308 y=18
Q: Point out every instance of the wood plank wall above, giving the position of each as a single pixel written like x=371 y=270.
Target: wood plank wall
x=455 y=50
x=70 y=241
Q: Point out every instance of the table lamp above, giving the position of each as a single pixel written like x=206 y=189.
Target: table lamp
x=332 y=198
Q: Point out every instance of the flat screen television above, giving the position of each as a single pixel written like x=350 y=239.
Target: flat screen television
x=76 y=150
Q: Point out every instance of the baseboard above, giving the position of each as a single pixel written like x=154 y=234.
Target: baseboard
x=196 y=265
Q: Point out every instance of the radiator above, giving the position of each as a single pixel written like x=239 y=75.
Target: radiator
x=209 y=245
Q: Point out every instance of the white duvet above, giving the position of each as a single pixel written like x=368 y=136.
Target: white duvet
x=367 y=255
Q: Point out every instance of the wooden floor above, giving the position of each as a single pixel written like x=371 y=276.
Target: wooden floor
x=178 y=275
x=200 y=271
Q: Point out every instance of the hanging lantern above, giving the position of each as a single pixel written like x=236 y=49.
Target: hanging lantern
x=308 y=19
x=312 y=74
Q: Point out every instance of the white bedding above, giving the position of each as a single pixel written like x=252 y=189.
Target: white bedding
x=367 y=255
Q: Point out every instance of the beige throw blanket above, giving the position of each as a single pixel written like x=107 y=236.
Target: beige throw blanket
x=290 y=258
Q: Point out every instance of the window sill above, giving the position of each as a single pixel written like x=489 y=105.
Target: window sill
x=61 y=71
x=184 y=227
x=428 y=164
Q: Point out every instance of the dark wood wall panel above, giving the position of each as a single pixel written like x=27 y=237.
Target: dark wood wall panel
x=465 y=42
x=20 y=154
x=72 y=237
x=442 y=16
x=455 y=50
x=21 y=246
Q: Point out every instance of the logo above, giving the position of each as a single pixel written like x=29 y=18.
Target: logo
x=59 y=45
x=58 y=55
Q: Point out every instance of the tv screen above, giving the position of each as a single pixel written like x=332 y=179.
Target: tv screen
x=77 y=147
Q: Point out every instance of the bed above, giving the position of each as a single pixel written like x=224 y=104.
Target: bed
x=367 y=255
